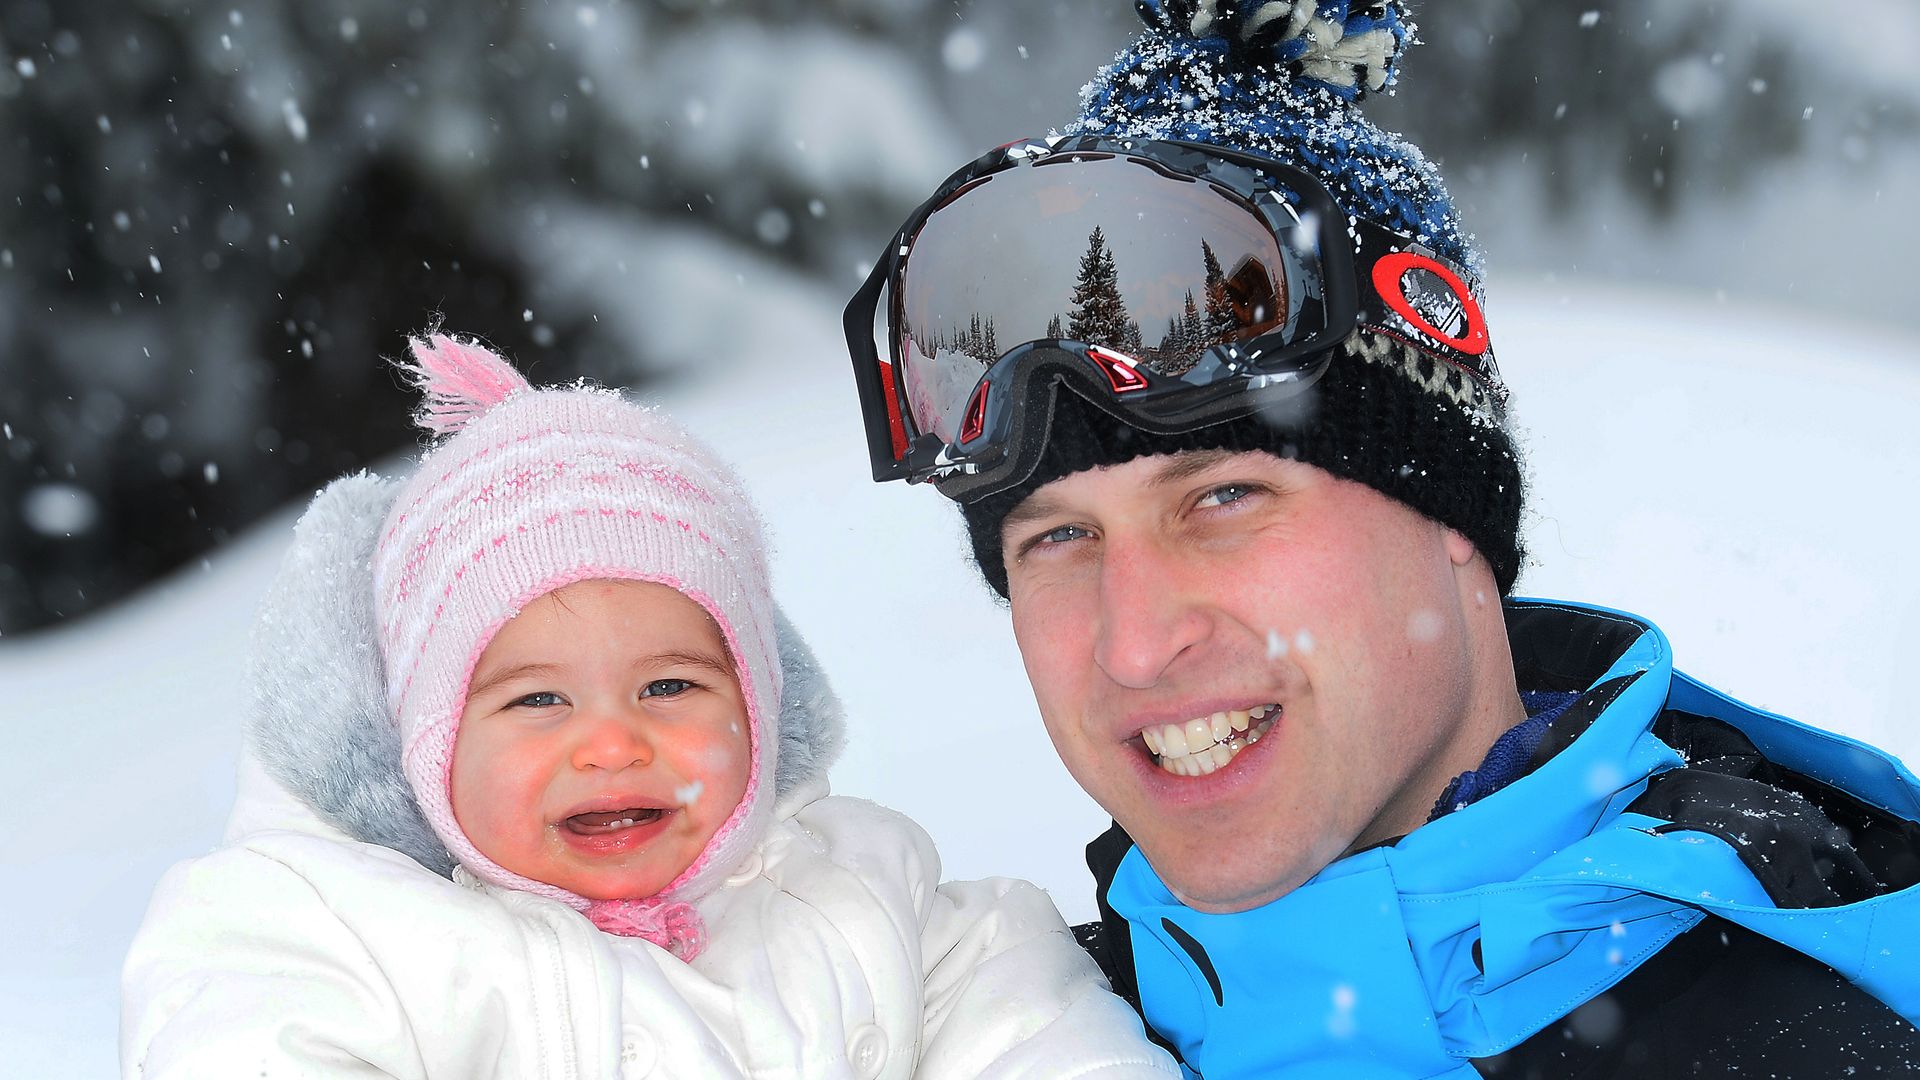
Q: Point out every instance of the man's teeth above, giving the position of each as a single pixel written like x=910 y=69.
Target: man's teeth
x=1198 y=747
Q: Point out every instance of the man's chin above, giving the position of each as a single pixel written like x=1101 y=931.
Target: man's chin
x=1199 y=880
x=1214 y=901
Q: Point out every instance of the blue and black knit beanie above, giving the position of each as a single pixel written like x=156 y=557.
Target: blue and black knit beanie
x=1285 y=79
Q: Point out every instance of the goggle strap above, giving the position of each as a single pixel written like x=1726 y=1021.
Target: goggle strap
x=873 y=378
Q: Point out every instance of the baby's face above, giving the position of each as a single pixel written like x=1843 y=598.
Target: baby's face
x=604 y=740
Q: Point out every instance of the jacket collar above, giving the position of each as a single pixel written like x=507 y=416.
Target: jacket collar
x=1594 y=761
x=1411 y=959
x=1397 y=941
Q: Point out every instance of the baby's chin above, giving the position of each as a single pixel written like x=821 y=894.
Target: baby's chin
x=636 y=875
x=639 y=884
x=608 y=883
x=603 y=871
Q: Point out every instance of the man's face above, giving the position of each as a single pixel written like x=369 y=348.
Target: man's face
x=1152 y=596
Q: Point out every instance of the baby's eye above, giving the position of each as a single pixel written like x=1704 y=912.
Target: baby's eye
x=1224 y=494
x=540 y=699
x=666 y=688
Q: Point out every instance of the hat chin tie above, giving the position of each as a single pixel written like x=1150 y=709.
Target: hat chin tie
x=671 y=924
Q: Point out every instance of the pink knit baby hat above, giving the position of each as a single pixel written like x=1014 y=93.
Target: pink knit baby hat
x=534 y=489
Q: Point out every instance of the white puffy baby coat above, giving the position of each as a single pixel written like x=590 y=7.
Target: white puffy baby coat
x=326 y=938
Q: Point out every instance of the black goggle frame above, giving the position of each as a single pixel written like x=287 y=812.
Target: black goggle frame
x=1362 y=272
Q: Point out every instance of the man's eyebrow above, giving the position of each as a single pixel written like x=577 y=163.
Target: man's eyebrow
x=1179 y=467
x=1185 y=466
x=499 y=676
x=1031 y=509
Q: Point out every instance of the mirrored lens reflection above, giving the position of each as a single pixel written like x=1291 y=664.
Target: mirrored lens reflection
x=1109 y=251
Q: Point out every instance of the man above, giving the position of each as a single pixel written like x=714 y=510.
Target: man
x=1210 y=380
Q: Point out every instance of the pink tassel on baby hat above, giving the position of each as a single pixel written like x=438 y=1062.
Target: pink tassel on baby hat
x=674 y=925
x=460 y=381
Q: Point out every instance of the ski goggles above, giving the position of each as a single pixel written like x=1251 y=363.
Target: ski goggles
x=1172 y=284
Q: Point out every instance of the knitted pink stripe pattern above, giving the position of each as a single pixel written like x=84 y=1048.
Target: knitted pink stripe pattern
x=533 y=490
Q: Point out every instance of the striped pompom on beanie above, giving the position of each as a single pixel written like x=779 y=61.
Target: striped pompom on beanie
x=1284 y=80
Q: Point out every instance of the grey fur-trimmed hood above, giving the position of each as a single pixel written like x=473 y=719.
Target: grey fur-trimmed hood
x=317 y=717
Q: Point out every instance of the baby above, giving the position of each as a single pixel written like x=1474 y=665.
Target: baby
x=535 y=787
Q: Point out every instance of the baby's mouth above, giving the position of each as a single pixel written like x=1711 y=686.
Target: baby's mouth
x=1200 y=746
x=612 y=821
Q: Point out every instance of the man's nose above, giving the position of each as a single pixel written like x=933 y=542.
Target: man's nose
x=1147 y=617
x=612 y=739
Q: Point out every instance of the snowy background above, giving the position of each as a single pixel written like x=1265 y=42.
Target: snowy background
x=1697 y=279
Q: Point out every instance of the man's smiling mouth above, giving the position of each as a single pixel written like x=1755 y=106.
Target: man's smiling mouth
x=612 y=821
x=1198 y=747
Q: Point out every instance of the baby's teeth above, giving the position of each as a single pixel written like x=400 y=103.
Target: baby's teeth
x=1237 y=720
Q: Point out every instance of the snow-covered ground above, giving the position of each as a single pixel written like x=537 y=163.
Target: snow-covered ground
x=1745 y=477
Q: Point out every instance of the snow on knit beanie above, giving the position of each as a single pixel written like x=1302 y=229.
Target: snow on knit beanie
x=1284 y=79
x=531 y=490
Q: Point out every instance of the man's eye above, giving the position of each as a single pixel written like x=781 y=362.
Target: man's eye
x=1065 y=534
x=1052 y=538
x=542 y=699
x=1224 y=494
x=666 y=688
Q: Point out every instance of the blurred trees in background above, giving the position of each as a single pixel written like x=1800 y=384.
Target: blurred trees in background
x=1670 y=102
x=217 y=216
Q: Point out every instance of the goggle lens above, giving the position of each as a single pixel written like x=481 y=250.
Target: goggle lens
x=1111 y=252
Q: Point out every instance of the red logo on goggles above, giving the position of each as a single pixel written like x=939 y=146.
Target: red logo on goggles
x=976 y=422
x=1119 y=370
x=1432 y=299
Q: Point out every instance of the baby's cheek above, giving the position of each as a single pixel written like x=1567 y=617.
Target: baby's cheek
x=465 y=780
x=490 y=803
x=720 y=762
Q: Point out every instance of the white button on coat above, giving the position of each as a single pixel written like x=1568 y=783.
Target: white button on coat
x=638 y=1054
x=867 y=1051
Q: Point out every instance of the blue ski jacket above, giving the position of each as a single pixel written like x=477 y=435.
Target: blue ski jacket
x=1434 y=955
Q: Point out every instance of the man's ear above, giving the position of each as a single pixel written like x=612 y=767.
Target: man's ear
x=1459 y=548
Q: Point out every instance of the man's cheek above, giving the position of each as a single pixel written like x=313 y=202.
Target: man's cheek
x=1047 y=657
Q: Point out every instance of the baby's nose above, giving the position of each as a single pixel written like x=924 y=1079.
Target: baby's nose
x=611 y=740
